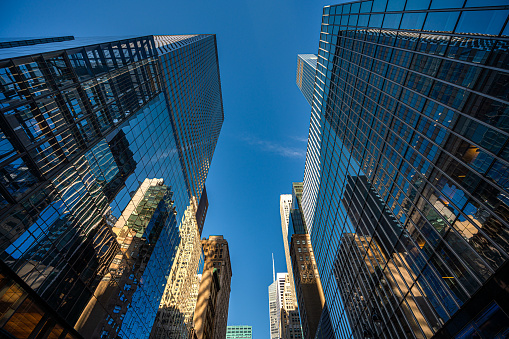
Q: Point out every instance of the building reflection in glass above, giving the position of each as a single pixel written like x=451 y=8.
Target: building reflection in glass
x=176 y=311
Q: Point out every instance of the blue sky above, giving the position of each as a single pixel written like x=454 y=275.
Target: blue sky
x=262 y=145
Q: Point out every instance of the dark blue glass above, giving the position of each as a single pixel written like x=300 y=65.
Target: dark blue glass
x=483 y=22
x=439 y=4
x=441 y=21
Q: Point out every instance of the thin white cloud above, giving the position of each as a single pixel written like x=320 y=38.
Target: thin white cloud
x=273 y=147
x=301 y=139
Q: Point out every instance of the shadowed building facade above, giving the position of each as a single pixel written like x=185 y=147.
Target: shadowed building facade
x=211 y=313
x=308 y=288
x=290 y=320
x=93 y=182
x=405 y=190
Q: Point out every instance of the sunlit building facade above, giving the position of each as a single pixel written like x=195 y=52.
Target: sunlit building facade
x=289 y=327
x=306 y=69
x=176 y=311
x=211 y=312
x=274 y=314
x=93 y=183
x=405 y=185
x=290 y=321
x=285 y=204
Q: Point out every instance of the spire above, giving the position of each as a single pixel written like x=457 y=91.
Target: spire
x=273 y=268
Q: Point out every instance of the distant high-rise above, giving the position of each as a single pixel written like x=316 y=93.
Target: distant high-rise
x=285 y=203
x=290 y=320
x=405 y=184
x=273 y=311
x=276 y=294
x=101 y=158
x=239 y=332
x=308 y=287
x=290 y=327
x=306 y=69
x=211 y=313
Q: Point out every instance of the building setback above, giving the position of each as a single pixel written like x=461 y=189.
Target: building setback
x=405 y=184
x=211 y=313
x=94 y=187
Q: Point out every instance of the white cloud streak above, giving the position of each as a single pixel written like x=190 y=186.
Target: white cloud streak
x=273 y=147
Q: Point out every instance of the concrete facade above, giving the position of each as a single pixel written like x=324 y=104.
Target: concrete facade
x=211 y=313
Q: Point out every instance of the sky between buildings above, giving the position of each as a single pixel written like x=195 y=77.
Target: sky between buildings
x=262 y=145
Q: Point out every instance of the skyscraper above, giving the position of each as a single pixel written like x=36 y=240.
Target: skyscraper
x=285 y=204
x=274 y=313
x=308 y=287
x=306 y=69
x=239 y=332
x=276 y=301
x=290 y=320
x=405 y=190
x=101 y=157
x=211 y=313
x=290 y=327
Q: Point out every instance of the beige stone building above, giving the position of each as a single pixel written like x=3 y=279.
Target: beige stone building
x=211 y=313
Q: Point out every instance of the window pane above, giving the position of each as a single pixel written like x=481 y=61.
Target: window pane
x=392 y=20
x=442 y=21
x=376 y=20
x=412 y=20
x=396 y=5
x=437 y=4
x=379 y=5
x=417 y=4
x=483 y=3
x=483 y=22
x=24 y=321
x=366 y=6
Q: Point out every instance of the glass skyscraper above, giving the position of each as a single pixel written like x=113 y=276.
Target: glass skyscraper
x=306 y=69
x=406 y=178
x=105 y=145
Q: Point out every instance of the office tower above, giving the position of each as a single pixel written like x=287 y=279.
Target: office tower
x=94 y=186
x=285 y=203
x=211 y=313
x=306 y=69
x=274 y=313
x=290 y=322
x=308 y=287
x=239 y=332
x=405 y=189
